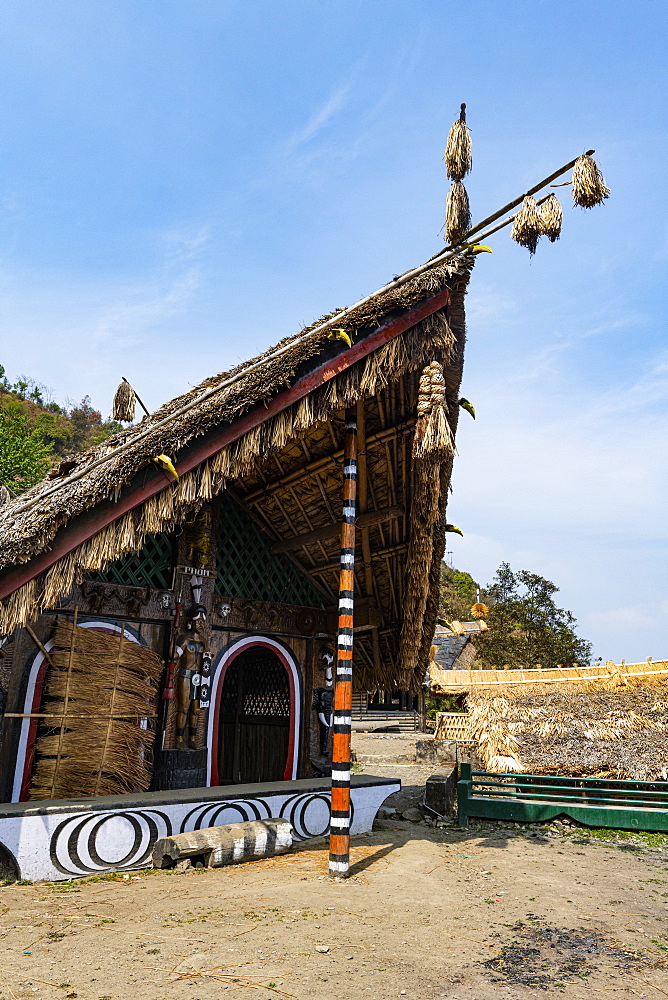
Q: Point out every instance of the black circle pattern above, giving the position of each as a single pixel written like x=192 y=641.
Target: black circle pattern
x=202 y=817
x=77 y=833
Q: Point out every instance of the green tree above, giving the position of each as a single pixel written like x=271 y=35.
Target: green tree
x=88 y=426
x=526 y=628
x=458 y=593
x=24 y=450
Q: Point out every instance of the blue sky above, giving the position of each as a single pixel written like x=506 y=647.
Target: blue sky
x=183 y=182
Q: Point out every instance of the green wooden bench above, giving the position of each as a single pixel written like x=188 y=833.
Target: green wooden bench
x=618 y=804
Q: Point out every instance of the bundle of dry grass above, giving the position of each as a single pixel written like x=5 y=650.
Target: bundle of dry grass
x=433 y=450
x=458 y=149
x=551 y=217
x=457 y=213
x=498 y=747
x=433 y=435
x=589 y=187
x=102 y=686
x=124 y=403
x=572 y=732
x=528 y=225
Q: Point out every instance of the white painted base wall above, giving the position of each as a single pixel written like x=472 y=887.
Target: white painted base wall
x=76 y=837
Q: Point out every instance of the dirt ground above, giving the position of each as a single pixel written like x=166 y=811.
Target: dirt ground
x=428 y=914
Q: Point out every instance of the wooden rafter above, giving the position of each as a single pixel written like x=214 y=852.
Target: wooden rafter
x=328 y=531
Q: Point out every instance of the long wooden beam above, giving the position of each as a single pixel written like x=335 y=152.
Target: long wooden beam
x=332 y=530
x=329 y=567
x=149 y=480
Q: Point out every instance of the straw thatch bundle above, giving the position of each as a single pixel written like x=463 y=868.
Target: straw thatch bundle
x=458 y=149
x=433 y=450
x=528 y=225
x=104 y=686
x=124 y=403
x=571 y=732
x=489 y=727
x=551 y=216
x=433 y=435
x=589 y=187
x=457 y=213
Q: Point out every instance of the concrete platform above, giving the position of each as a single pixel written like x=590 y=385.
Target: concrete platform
x=62 y=839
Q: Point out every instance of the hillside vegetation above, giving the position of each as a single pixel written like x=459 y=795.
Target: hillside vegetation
x=37 y=433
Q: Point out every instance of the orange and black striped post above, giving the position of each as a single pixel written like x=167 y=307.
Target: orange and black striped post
x=339 y=831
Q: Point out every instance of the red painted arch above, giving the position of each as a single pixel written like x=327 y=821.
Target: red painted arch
x=289 y=668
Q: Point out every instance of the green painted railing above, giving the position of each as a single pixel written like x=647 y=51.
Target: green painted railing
x=618 y=804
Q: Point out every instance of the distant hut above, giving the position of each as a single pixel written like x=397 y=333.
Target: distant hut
x=122 y=588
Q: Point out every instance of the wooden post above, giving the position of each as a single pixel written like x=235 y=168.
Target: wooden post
x=339 y=833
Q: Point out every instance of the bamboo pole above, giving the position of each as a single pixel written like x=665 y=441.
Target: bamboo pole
x=83 y=715
x=339 y=833
x=67 y=698
x=466 y=238
x=40 y=646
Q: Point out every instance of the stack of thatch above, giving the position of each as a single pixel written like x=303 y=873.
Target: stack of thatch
x=606 y=733
x=93 y=739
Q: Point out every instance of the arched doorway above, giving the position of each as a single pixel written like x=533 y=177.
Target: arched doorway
x=256 y=716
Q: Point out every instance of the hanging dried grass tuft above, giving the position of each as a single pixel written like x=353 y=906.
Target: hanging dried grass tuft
x=458 y=156
x=528 y=225
x=589 y=186
x=124 y=403
x=457 y=213
x=551 y=215
x=433 y=435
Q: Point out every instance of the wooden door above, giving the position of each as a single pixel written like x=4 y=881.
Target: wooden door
x=254 y=718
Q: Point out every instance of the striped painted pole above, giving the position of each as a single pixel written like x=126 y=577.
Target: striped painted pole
x=339 y=832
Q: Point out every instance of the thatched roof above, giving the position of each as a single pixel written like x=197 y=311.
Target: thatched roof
x=597 y=677
x=222 y=432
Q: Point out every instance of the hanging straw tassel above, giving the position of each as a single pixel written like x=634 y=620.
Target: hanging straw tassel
x=457 y=156
x=589 y=187
x=528 y=225
x=551 y=214
x=457 y=213
x=433 y=435
x=124 y=403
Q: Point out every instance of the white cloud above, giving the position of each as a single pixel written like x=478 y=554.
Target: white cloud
x=321 y=117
